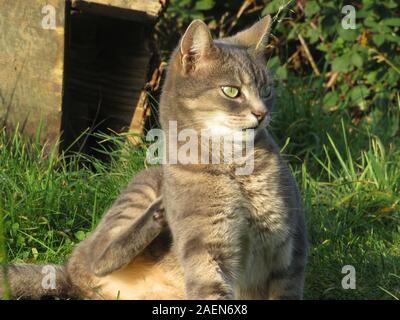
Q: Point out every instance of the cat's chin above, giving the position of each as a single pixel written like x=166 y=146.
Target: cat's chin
x=250 y=128
x=254 y=127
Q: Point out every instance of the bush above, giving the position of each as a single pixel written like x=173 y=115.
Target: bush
x=356 y=70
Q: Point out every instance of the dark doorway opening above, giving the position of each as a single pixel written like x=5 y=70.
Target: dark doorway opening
x=106 y=65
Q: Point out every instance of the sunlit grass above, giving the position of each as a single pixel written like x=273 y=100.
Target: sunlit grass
x=48 y=202
x=349 y=178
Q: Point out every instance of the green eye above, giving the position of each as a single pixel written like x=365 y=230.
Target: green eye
x=265 y=91
x=230 y=92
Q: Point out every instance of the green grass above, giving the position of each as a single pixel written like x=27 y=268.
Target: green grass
x=349 y=178
x=49 y=202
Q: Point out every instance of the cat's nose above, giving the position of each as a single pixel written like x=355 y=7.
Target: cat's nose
x=260 y=115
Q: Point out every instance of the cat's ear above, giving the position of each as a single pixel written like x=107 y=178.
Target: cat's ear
x=255 y=37
x=195 y=44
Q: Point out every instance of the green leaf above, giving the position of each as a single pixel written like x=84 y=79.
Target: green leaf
x=371 y=23
x=392 y=76
x=358 y=95
x=182 y=3
x=20 y=240
x=348 y=34
x=392 y=38
x=272 y=7
x=394 y=22
x=35 y=253
x=378 y=39
x=356 y=59
x=294 y=31
x=311 y=8
x=273 y=64
x=80 y=235
x=204 y=4
x=391 y=4
x=281 y=73
x=371 y=77
x=312 y=35
x=322 y=47
x=15 y=227
x=330 y=99
x=341 y=63
x=196 y=15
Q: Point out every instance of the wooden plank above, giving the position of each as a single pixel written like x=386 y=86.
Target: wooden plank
x=137 y=10
x=31 y=66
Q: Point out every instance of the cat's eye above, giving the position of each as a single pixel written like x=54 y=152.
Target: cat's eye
x=230 y=92
x=265 y=91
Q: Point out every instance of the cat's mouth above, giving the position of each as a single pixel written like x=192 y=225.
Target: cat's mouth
x=253 y=124
x=222 y=125
x=252 y=127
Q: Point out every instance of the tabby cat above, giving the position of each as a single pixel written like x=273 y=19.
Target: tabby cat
x=199 y=231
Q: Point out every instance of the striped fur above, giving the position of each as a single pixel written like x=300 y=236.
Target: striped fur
x=134 y=221
x=235 y=236
x=227 y=236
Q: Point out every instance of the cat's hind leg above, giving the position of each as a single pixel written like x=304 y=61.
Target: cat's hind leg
x=129 y=226
x=130 y=243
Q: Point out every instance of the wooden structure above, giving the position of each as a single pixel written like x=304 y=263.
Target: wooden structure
x=82 y=70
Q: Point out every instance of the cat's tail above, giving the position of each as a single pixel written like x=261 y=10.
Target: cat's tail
x=29 y=281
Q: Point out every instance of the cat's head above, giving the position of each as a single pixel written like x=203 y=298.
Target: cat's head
x=221 y=85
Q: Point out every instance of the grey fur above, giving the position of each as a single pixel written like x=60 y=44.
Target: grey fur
x=234 y=236
x=133 y=221
x=26 y=282
x=228 y=236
